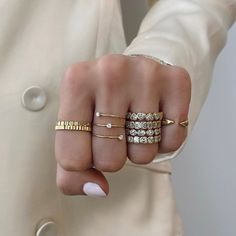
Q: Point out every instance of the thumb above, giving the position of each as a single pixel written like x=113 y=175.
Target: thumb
x=90 y=182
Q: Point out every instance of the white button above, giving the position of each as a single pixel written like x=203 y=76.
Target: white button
x=34 y=98
x=47 y=228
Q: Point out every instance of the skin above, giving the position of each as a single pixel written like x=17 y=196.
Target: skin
x=116 y=84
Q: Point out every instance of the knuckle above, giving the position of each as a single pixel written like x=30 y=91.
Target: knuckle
x=151 y=79
x=73 y=163
x=76 y=77
x=70 y=155
x=173 y=144
x=108 y=166
x=142 y=157
x=110 y=68
x=65 y=188
x=183 y=80
x=108 y=82
x=111 y=61
x=175 y=70
x=63 y=184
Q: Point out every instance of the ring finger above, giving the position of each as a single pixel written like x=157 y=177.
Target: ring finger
x=143 y=131
x=73 y=148
x=108 y=140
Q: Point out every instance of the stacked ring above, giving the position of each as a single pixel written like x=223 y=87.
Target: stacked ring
x=139 y=127
x=144 y=116
x=109 y=126
x=143 y=127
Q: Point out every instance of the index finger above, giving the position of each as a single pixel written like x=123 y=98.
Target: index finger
x=73 y=148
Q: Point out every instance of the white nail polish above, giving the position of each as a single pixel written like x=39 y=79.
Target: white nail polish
x=93 y=190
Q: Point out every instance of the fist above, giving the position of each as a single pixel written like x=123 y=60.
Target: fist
x=115 y=84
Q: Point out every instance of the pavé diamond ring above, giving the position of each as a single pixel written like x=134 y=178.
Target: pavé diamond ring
x=144 y=128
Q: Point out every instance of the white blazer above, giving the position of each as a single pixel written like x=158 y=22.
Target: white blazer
x=38 y=41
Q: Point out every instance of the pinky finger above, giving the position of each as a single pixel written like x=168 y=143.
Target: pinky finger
x=175 y=106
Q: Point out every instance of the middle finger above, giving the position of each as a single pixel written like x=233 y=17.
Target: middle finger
x=109 y=149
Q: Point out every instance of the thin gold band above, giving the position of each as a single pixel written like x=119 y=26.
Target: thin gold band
x=119 y=137
x=109 y=125
x=98 y=114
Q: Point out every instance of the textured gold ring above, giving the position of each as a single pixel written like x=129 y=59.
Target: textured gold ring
x=165 y=122
x=73 y=126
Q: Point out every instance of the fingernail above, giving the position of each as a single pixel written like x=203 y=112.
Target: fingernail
x=93 y=190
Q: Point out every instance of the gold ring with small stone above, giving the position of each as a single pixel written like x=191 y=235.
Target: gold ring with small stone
x=119 y=137
x=99 y=114
x=166 y=122
x=109 y=125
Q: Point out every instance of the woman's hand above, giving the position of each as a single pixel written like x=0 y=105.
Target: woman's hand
x=115 y=84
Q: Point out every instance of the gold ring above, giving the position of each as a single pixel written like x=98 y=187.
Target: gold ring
x=109 y=125
x=73 y=126
x=98 y=114
x=165 y=122
x=119 y=137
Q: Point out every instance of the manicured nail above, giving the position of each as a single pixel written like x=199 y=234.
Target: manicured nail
x=93 y=190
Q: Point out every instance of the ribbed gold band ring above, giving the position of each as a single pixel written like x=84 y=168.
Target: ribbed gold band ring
x=73 y=126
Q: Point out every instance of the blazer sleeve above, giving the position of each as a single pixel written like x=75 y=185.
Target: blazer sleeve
x=189 y=34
